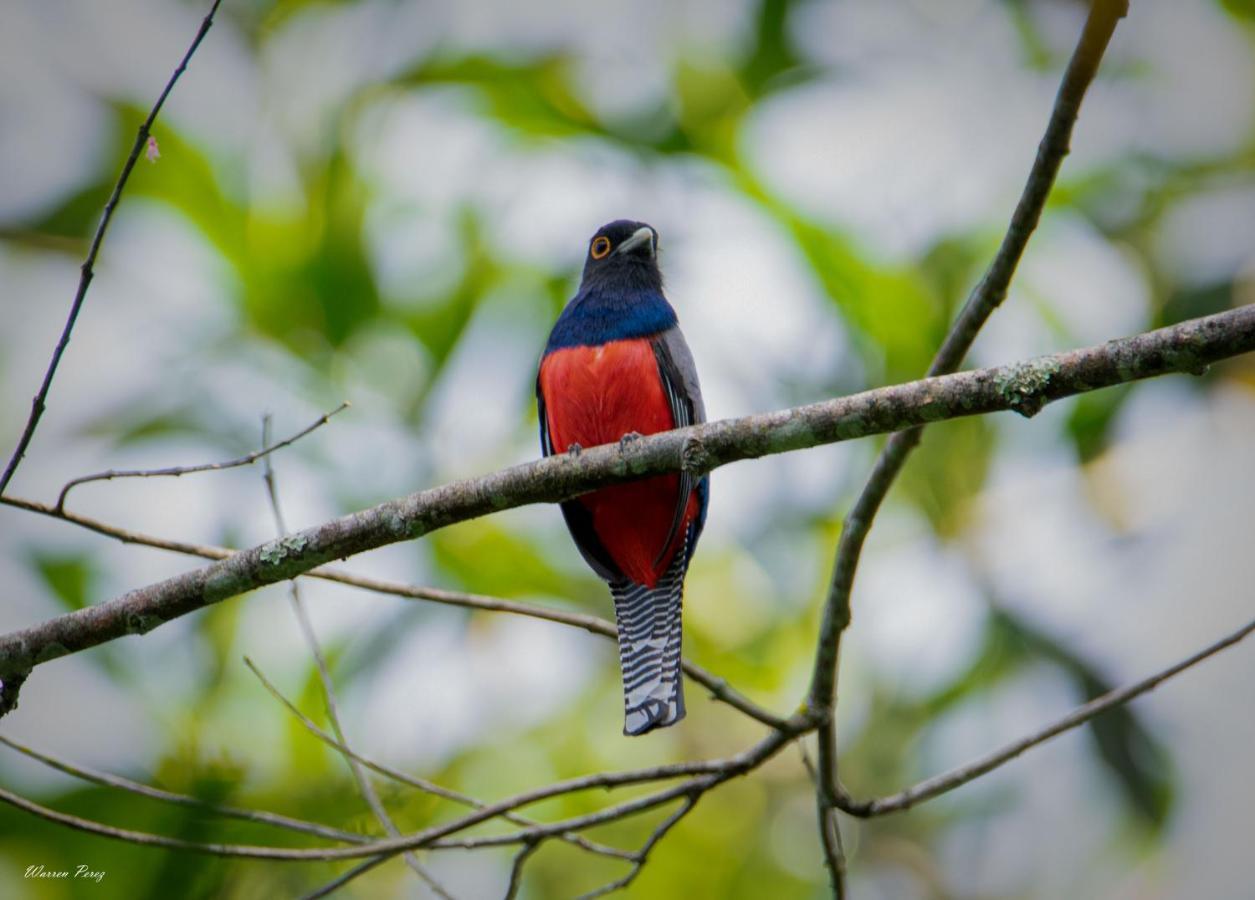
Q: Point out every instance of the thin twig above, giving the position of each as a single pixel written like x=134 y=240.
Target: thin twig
x=1024 y=387
x=601 y=780
x=985 y=298
x=365 y=788
x=948 y=781
x=422 y=784
x=642 y=855
x=261 y=817
x=175 y=471
x=712 y=774
x=341 y=880
x=435 y=836
x=85 y=277
x=516 y=868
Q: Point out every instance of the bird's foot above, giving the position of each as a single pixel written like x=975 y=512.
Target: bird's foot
x=628 y=439
x=574 y=450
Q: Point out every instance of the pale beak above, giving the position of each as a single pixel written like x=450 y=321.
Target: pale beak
x=642 y=235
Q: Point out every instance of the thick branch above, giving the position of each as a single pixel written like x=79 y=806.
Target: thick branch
x=86 y=274
x=718 y=688
x=1023 y=387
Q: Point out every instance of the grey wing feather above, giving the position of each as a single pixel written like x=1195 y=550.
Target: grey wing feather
x=677 y=349
x=684 y=395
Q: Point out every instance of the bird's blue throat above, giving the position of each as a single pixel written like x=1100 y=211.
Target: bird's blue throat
x=602 y=313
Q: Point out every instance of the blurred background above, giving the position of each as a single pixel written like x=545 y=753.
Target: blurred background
x=388 y=202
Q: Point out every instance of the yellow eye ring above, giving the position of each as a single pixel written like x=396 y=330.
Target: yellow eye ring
x=600 y=248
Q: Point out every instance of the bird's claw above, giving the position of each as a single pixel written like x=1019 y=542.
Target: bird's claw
x=630 y=438
x=574 y=450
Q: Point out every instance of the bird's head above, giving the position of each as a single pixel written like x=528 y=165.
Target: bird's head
x=623 y=252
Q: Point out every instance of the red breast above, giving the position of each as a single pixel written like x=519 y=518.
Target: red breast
x=595 y=395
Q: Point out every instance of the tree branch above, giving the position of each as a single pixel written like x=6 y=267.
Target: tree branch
x=86 y=274
x=516 y=868
x=422 y=784
x=705 y=776
x=174 y=471
x=258 y=816
x=718 y=688
x=438 y=836
x=1023 y=387
x=642 y=856
x=985 y=298
x=948 y=781
x=364 y=787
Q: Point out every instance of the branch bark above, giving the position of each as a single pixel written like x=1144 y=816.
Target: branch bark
x=1022 y=387
x=718 y=688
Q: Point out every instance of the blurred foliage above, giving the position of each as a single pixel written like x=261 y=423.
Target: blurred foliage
x=305 y=285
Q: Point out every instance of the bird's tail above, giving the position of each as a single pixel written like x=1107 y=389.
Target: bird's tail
x=649 y=649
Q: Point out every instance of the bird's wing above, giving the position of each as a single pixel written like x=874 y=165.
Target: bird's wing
x=546 y=445
x=684 y=395
x=578 y=519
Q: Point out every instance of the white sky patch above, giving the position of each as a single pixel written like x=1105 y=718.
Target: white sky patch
x=447 y=688
x=920 y=617
x=919 y=140
x=1074 y=288
x=1196 y=94
x=1208 y=238
x=474 y=409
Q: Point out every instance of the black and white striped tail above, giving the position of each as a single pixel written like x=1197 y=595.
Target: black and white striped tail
x=649 y=649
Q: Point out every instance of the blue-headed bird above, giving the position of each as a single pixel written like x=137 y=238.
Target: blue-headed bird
x=616 y=366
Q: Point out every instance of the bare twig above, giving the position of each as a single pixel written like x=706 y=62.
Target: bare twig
x=438 y=836
x=365 y=788
x=987 y=296
x=948 y=781
x=601 y=780
x=1023 y=387
x=516 y=868
x=642 y=855
x=341 y=880
x=85 y=277
x=704 y=776
x=261 y=817
x=830 y=842
x=422 y=784
x=175 y=471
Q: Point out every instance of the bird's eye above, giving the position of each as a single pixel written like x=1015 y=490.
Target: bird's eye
x=601 y=247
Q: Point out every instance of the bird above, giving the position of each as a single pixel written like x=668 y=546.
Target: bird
x=616 y=367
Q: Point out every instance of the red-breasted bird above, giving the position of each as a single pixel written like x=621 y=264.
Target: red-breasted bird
x=616 y=367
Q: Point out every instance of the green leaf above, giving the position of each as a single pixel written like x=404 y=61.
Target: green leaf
x=1241 y=9
x=1091 y=418
x=949 y=470
x=488 y=559
x=70 y=577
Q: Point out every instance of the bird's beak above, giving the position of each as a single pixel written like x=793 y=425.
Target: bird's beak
x=642 y=235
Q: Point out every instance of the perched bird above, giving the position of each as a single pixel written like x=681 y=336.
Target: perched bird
x=617 y=367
